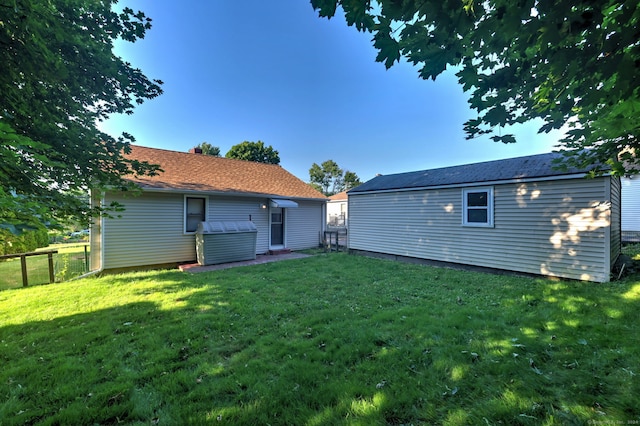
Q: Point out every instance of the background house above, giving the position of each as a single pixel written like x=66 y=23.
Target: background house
x=631 y=209
x=158 y=226
x=337 y=209
x=520 y=214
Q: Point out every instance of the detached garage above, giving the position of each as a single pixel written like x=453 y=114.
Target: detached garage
x=520 y=214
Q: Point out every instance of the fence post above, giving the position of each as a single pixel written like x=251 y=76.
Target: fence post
x=86 y=260
x=52 y=276
x=23 y=265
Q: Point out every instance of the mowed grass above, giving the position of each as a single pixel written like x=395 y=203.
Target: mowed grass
x=330 y=339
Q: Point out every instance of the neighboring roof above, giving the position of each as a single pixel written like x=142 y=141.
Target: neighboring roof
x=185 y=171
x=533 y=166
x=340 y=196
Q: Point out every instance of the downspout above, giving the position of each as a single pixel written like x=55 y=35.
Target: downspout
x=323 y=225
x=92 y=237
x=103 y=201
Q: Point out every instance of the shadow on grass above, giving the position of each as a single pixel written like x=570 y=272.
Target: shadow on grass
x=267 y=344
x=559 y=352
x=78 y=369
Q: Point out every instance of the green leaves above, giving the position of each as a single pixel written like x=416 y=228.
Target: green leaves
x=357 y=14
x=504 y=138
x=58 y=78
x=254 y=151
x=330 y=179
x=208 y=149
x=496 y=115
x=551 y=60
x=388 y=49
x=325 y=8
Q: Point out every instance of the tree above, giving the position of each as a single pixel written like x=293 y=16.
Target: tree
x=351 y=180
x=254 y=151
x=59 y=77
x=208 y=149
x=330 y=179
x=25 y=242
x=326 y=177
x=573 y=63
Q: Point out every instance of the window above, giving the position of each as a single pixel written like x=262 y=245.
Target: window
x=194 y=212
x=276 y=217
x=477 y=207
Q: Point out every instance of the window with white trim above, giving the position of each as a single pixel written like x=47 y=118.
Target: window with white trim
x=477 y=206
x=195 y=209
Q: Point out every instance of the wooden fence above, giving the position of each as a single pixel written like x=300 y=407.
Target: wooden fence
x=23 y=263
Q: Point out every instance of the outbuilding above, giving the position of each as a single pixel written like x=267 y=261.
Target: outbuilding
x=158 y=226
x=521 y=214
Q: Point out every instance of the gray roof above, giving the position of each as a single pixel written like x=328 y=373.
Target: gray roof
x=533 y=166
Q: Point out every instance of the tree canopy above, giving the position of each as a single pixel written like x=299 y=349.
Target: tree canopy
x=208 y=149
x=330 y=179
x=350 y=180
x=254 y=151
x=567 y=63
x=59 y=77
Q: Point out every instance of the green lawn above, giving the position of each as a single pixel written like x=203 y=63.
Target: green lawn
x=68 y=262
x=331 y=339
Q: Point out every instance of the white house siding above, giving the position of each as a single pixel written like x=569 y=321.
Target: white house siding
x=150 y=232
x=304 y=225
x=335 y=208
x=557 y=228
x=337 y=211
x=631 y=208
x=243 y=208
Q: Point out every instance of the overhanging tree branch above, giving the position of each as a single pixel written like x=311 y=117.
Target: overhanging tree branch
x=558 y=61
x=58 y=78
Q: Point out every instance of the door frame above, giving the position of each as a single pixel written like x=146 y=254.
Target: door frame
x=283 y=214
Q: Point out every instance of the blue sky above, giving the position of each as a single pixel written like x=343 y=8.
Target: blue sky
x=237 y=70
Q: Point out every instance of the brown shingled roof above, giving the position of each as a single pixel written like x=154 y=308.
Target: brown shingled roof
x=196 y=172
x=340 y=196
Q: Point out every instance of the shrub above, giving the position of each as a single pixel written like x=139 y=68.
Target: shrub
x=25 y=242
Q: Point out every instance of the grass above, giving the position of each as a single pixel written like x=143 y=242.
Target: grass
x=68 y=262
x=330 y=339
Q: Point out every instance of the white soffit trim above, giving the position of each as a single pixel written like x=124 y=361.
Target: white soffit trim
x=275 y=202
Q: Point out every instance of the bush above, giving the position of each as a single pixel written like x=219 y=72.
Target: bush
x=42 y=238
x=23 y=243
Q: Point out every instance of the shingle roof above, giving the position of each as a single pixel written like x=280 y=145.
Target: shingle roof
x=340 y=196
x=533 y=166
x=197 y=172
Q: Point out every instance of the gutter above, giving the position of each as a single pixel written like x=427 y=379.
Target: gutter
x=226 y=193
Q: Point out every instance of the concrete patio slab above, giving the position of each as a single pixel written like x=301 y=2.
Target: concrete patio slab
x=261 y=258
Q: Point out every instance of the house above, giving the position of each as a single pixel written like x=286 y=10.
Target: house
x=631 y=209
x=337 y=212
x=519 y=214
x=158 y=226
